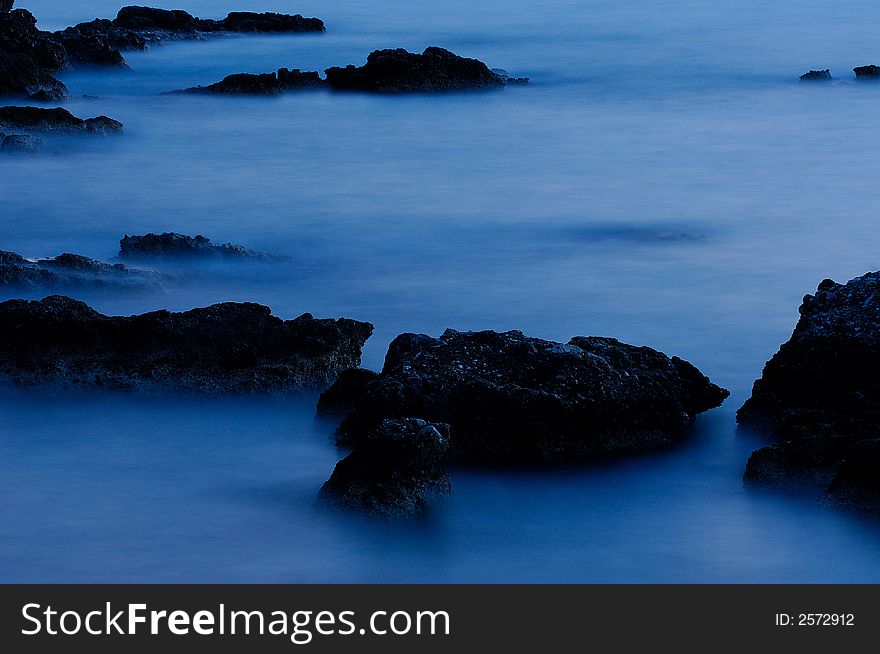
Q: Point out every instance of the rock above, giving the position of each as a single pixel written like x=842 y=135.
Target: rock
x=170 y=244
x=6 y=5
x=148 y=18
x=819 y=394
x=247 y=21
x=397 y=71
x=503 y=74
x=19 y=35
x=857 y=483
x=871 y=72
x=225 y=348
x=71 y=271
x=164 y=23
x=392 y=470
x=512 y=398
x=99 y=42
x=343 y=397
x=20 y=143
x=21 y=77
x=266 y=84
x=817 y=76
x=55 y=120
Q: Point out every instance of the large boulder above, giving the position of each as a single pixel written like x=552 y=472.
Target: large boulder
x=819 y=395
x=393 y=471
x=262 y=84
x=508 y=397
x=867 y=73
x=224 y=348
x=71 y=271
x=55 y=120
x=173 y=245
x=396 y=71
x=20 y=76
x=19 y=35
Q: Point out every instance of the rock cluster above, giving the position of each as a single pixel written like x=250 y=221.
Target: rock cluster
x=263 y=84
x=55 y=120
x=71 y=271
x=171 y=244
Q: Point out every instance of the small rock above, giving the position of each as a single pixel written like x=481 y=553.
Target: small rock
x=20 y=143
x=55 y=120
x=171 y=244
x=869 y=73
x=262 y=84
x=817 y=76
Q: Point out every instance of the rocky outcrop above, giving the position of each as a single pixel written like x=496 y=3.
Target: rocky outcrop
x=55 y=120
x=857 y=482
x=71 y=271
x=158 y=24
x=19 y=143
x=6 y=5
x=171 y=244
x=262 y=84
x=226 y=348
x=19 y=35
x=817 y=76
x=21 y=77
x=867 y=73
x=343 y=397
x=393 y=471
x=99 y=43
x=508 y=397
x=819 y=395
x=398 y=71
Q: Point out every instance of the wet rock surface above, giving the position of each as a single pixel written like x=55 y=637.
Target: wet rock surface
x=819 y=395
x=71 y=271
x=262 y=84
x=20 y=76
x=817 y=76
x=393 y=471
x=508 y=397
x=398 y=71
x=55 y=120
x=867 y=73
x=170 y=244
x=225 y=348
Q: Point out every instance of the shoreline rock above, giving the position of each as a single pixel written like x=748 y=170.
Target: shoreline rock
x=20 y=143
x=70 y=271
x=510 y=398
x=173 y=245
x=819 y=395
x=392 y=472
x=867 y=73
x=262 y=84
x=225 y=348
x=817 y=76
x=55 y=120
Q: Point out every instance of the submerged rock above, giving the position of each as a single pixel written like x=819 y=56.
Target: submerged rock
x=396 y=71
x=870 y=73
x=224 y=348
x=55 y=120
x=817 y=76
x=262 y=84
x=171 y=244
x=819 y=395
x=392 y=470
x=512 y=398
x=503 y=74
x=71 y=271
x=20 y=143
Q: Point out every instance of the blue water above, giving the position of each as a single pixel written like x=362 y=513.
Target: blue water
x=665 y=180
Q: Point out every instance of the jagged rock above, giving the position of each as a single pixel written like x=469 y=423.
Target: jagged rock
x=869 y=73
x=71 y=271
x=819 y=395
x=55 y=120
x=265 y=84
x=6 y=5
x=224 y=348
x=98 y=43
x=248 y=21
x=396 y=71
x=178 y=22
x=21 y=77
x=170 y=244
x=390 y=473
x=503 y=74
x=19 y=35
x=343 y=397
x=20 y=143
x=512 y=398
x=817 y=76
x=857 y=483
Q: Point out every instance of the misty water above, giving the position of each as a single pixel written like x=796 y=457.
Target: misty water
x=664 y=180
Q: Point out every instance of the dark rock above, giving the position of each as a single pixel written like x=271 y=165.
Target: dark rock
x=170 y=244
x=224 y=348
x=343 y=397
x=6 y=5
x=19 y=35
x=98 y=43
x=21 y=77
x=819 y=394
x=392 y=470
x=20 y=143
x=817 y=76
x=179 y=23
x=55 y=120
x=148 y=18
x=503 y=74
x=71 y=271
x=246 y=21
x=396 y=71
x=266 y=84
x=857 y=483
x=871 y=72
x=512 y=398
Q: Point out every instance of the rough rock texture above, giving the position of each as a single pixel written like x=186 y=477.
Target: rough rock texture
x=6 y=5
x=71 y=271
x=21 y=77
x=820 y=393
x=20 y=143
x=224 y=348
x=19 y=35
x=343 y=397
x=392 y=470
x=396 y=71
x=503 y=74
x=857 y=483
x=98 y=43
x=265 y=84
x=871 y=72
x=512 y=398
x=817 y=76
x=170 y=244
x=180 y=23
x=55 y=120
